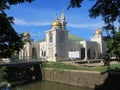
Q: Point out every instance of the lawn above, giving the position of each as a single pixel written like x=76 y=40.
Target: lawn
x=60 y=65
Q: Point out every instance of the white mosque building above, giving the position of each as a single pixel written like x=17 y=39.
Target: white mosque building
x=57 y=46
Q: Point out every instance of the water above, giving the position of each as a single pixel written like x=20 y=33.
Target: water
x=45 y=85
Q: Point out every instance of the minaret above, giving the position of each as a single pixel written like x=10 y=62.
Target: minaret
x=63 y=22
x=57 y=41
x=26 y=40
x=26 y=36
x=98 y=38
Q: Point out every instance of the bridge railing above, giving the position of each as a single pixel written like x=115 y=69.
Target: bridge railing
x=13 y=61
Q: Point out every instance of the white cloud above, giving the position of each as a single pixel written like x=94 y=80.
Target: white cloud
x=22 y=22
x=41 y=33
x=87 y=25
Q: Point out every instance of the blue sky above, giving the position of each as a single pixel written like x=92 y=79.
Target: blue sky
x=37 y=17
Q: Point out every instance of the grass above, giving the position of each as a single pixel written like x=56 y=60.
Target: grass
x=60 y=65
x=114 y=67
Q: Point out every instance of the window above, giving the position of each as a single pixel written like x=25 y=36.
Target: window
x=51 y=38
x=62 y=37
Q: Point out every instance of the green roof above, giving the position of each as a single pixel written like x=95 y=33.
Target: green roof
x=42 y=40
x=70 y=37
x=74 y=38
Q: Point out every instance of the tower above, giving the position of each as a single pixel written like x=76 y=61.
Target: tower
x=63 y=22
x=98 y=38
x=56 y=40
x=26 y=48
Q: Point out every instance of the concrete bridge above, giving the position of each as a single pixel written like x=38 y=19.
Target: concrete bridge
x=22 y=70
x=17 y=62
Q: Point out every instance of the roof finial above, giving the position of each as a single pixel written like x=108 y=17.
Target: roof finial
x=63 y=15
x=56 y=17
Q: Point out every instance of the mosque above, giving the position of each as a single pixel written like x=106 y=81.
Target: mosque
x=57 y=46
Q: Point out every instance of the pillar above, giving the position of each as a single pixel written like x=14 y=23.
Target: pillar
x=86 y=54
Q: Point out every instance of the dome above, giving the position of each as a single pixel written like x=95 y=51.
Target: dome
x=26 y=34
x=98 y=31
x=56 y=23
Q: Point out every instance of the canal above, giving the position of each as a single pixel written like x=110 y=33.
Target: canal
x=45 y=85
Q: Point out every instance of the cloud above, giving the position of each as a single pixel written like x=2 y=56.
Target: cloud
x=22 y=22
x=87 y=25
x=34 y=34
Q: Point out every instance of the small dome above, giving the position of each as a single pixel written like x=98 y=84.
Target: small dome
x=26 y=34
x=56 y=23
x=98 y=31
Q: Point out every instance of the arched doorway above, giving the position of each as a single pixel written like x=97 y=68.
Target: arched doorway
x=24 y=53
x=34 y=53
x=82 y=53
x=91 y=54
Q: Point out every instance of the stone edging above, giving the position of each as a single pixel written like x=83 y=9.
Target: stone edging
x=88 y=79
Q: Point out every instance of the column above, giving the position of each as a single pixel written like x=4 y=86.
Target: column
x=86 y=54
x=28 y=53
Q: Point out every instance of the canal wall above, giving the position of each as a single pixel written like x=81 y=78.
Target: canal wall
x=87 y=79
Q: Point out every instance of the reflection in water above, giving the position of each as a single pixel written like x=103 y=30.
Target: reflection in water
x=45 y=85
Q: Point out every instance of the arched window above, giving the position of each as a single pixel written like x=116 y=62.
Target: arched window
x=51 y=38
x=91 y=53
x=34 y=53
x=82 y=53
x=62 y=37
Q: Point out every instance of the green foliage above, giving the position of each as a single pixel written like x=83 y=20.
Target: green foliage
x=75 y=3
x=113 y=44
x=5 y=4
x=115 y=66
x=116 y=44
x=109 y=10
x=10 y=41
x=3 y=73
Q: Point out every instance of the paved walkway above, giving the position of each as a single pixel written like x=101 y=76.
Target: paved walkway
x=98 y=64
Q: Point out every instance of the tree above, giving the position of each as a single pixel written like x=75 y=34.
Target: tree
x=116 y=48
x=113 y=45
x=3 y=73
x=10 y=41
x=109 y=10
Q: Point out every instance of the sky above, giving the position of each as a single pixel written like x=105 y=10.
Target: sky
x=37 y=18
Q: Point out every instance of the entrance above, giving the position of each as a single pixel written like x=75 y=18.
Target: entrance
x=91 y=53
x=82 y=53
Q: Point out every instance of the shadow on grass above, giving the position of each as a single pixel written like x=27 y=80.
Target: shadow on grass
x=112 y=82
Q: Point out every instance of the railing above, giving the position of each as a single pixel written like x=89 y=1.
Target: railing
x=15 y=61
